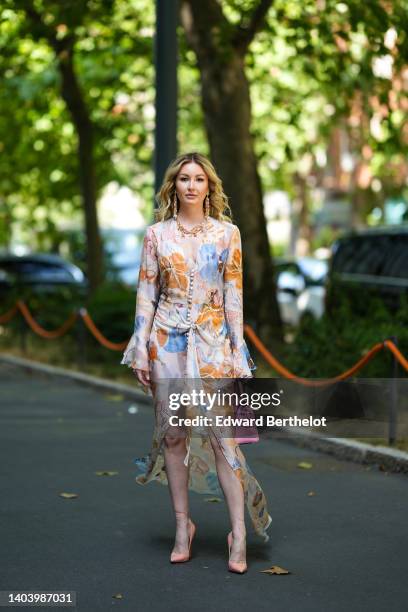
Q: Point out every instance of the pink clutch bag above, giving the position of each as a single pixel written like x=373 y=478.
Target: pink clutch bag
x=245 y=434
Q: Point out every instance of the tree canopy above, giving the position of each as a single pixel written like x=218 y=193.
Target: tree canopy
x=313 y=66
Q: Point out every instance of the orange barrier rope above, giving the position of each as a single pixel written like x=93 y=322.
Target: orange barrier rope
x=272 y=361
x=397 y=353
x=49 y=335
x=113 y=346
x=7 y=316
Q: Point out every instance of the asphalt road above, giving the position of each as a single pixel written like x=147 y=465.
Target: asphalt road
x=346 y=546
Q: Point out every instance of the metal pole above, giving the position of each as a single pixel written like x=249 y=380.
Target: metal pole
x=23 y=334
x=81 y=341
x=165 y=59
x=393 y=413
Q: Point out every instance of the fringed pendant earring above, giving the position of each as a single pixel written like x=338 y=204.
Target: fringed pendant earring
x=175 y=206
x=207 y=206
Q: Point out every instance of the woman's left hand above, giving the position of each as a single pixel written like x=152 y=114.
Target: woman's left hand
x=143 y=377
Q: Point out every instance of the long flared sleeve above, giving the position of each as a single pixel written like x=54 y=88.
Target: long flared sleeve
x=233 y=307
x=148 y=290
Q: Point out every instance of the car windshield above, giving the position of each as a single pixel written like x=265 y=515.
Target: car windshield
x=377 y=255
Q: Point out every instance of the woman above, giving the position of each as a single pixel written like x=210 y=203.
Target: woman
x=189 y=326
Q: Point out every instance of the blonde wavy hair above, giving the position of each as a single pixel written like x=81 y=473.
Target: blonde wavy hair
x=219 y=206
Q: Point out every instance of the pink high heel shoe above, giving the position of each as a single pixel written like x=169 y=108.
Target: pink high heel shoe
x=182 y=557
x=238 y=567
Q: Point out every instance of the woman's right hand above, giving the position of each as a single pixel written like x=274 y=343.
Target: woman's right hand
x=143 y=377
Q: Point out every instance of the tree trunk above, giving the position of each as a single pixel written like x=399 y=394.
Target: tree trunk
x=227 y=111
x=6 y=224
x=73 y=98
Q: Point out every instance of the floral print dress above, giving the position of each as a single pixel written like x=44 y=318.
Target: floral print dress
x=189 y=326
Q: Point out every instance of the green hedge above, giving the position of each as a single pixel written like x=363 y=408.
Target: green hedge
x=331 y=345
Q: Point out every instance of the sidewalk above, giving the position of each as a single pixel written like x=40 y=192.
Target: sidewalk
x=336 y=527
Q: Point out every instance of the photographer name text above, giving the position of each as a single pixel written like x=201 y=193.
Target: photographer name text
x=259 y=421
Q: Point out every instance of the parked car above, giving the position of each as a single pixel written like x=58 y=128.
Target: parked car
x=41 y=273
x=300 y=288
x=369 y=263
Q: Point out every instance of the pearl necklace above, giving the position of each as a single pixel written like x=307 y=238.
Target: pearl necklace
x=194 y=231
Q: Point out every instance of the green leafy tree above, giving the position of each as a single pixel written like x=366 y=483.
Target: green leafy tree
x=77 y=82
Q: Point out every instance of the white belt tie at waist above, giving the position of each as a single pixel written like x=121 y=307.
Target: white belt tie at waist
x=192 y=369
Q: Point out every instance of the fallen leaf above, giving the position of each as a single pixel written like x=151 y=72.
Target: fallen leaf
x=68 y=495
x=106 y=473
x=118 y=397
x=275 y=569
x=214 y=500
x=311 y=493
x=117 y=596
x=305 y=465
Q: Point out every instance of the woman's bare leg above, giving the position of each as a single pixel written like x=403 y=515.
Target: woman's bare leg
x=234 y=496
x=177 y=475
